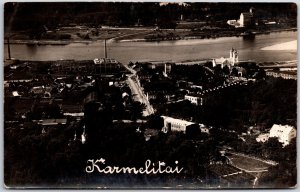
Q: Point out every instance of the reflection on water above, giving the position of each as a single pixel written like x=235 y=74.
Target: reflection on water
x=249 y=49
x=32 y=49
x=250 y=38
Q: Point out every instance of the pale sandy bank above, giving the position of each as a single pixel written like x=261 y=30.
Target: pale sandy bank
x=291 y=45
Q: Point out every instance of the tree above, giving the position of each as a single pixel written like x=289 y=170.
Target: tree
x=155 y=122
x=234 y=72
x=192 y=131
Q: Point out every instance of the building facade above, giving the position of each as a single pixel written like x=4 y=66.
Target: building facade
x=194 y=99
x=247 y=18
x=96 y=67
x=230 y=61
x=282 y=74
x=172 y=124
x=284 y=133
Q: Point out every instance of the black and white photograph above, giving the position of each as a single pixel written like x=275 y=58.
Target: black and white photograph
x=150 y=95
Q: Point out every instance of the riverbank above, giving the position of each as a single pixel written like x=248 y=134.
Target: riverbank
x=143 y=35
x=48 y=42
x=287 y=46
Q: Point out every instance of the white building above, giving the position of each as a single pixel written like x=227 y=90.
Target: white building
x=98 y=61
x=284 y=133
x=194 y=99
x=233 y=23
x=172 y=124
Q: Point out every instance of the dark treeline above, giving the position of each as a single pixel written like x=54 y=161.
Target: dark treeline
x=265 y=103
x=24 y=16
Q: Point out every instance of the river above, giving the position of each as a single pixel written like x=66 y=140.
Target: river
x=166 y=50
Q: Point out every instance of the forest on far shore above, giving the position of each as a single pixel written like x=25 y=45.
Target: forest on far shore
x=25 y=16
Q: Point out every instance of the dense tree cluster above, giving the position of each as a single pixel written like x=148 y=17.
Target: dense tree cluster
x=195 y=73
x=24 y=16
x=265 y=102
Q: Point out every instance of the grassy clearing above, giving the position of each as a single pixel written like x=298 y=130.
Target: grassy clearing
x=247 y=163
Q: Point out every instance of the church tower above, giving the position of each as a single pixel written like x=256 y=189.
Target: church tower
x=233 y=56
x=231 y=53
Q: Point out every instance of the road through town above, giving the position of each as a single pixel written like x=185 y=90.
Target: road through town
x=137 y=92
x=139 y=95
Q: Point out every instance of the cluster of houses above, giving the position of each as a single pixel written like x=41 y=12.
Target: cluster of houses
x=99 y=66
x=283 y=74
x=157 y=80
x=57 y=98
x=199 y=98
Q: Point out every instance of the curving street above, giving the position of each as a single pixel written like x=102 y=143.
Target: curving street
x=137 y=92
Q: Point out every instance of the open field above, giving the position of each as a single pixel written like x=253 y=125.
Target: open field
x=248 y=164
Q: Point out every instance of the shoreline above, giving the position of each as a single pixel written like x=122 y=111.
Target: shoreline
x=13 y=61
x=286 y=46
x=67 y=42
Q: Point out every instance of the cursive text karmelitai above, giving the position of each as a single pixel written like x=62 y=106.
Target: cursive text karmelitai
x=148 y=168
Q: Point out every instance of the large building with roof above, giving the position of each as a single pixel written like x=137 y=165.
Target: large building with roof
x=194 y=99
x=247 y=18
x=172 y=124
x=284 y=133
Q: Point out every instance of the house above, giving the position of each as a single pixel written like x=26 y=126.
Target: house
x=16 y=94
x=284 y=133
x=233 y=22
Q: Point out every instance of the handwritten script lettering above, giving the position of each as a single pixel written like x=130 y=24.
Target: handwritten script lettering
x=98 y=165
